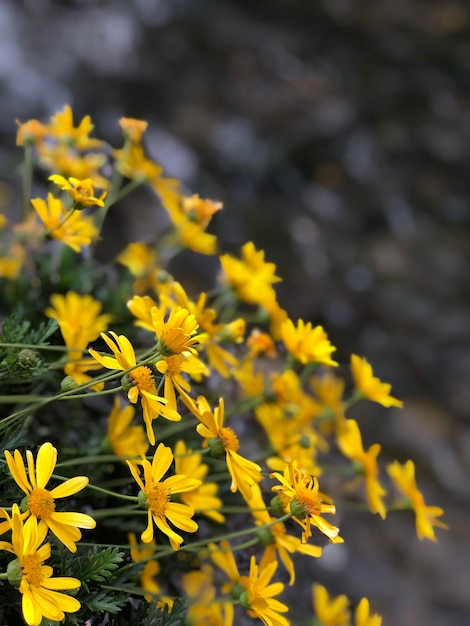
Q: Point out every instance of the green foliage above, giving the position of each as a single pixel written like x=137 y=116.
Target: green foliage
x=98 y=566
x=148 y=614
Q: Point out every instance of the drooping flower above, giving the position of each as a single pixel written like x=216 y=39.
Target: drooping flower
x=259 y=596
x=299 y=494
x=223 y=441
x=40 y=502
x=82 y=192
x=350 y=443
x=330 y=611
x=40 y=591
x=403 y=477
x=370 y=386
x=307 y=344
x=124 y=439
x=142 y=380
x=156 y=497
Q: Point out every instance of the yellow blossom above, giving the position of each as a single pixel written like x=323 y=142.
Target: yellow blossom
x=203 y=609
x=330 y=611
x=259 y=596
x=124 y=439
x=41 y=501
x=40 y=591
x=133 y=129
x=261 y=344
x=369 y=386
x=350 y=443
x=81 y=191
x=150 y=571
x=157 y=493
x=307 y=344
x=132 y=163
x=142 y=380
x=62 y=129
x=403 y=477
x=363 y=617
x=30 y=133
x=175 y=334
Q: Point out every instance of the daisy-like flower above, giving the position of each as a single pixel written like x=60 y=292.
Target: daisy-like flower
x=73 y=229
x=141 y=378
x=203 y=605
x=177 y=333
x=299 y=494
x=41 y=597
x=307 y=344
x=173 y=368
x=259 y=596
x=62 y=129
x=40 y=502
x=124 y=439
x=369 y=386
x=223 y=441
x=365 y=462
x=150 y=571
x=156 y=493
x=203 y=499
x=330 y=611
x=82 y=192
x=403 y=477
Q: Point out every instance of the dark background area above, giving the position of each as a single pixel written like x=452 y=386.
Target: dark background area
x=337 y=135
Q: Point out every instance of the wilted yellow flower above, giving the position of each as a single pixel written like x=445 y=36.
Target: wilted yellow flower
x=156 y=497
x=307 y=344
x=41 y=597
x=369 y=386
x=81 y=191
x=41 y=501
x=403 y=477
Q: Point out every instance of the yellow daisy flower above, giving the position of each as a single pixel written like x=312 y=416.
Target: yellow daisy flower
x=403 y=477
x=156 y=497
x=150 y=571
x=142 y=380
x=177 y=333
x=223 y=440
x=41 y=597
x=299 y=493
x=307 y=344
x=63 y=130
x=369 y=386
x=173 y=367
x=40 y=501
x=124 y=439
x=330 y=611
x=204 y=609
x=81 y=191
x=258 y=598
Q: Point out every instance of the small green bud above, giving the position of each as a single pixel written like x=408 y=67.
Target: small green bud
x=27 y=357
x=14 y=573
x=127 y=382
x=244 y=600
x=24 y=504
x=142 y=500
x=265 y=536
x=68 y=384
x=276 y=506
x=217 y=447
x=298 y=509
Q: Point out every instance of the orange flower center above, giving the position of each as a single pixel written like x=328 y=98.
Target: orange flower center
x=32 y=570
x=229 y=439
x=143 y=378
x=308 y=498
x=175 y=364
x=41 y=503
x=157 y=499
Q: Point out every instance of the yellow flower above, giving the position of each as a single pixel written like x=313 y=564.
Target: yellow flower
x=63 y=130
x=131 y=162
x=73 y=229
x=299 y=494
x=151 y=569
x=62 y=158
x=30 y=133
x=278 y=544
x=350 y=443
x=132 y=128
x=369 y=386
x=41 y=502
x=202 y=499
x=141 y=378
x=81 y=191
x=177 y=333
x=123 y=439
x=307 y=344
x=203 y=609
x=251 y=277
x=362 y=616
x=156 y=497
x=142 y=262
x=403 y=477
x=260 y=343
x=330 y=611
x=172 y=368
x=10 y=265
x=223 y=440
x=258 y=598
x=41 y=597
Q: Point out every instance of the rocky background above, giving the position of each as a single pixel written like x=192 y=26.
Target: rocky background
x=337 y=134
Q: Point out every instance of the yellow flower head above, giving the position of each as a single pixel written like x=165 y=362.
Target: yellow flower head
x=151 y=569
x=403 y=477
x=40 y=502
x=200 y=210
x=156 y=497
x=350 y=443
x=62 y=129
x=30 y=133
x=132 y=162
x=124 y=439
x=132 y=128
x=261 y=344
x=370 y=386
x=81 y=191
x=177 y=333
x=299 y=493
x=141 y=378
x=203 y=608
x=41 y=597
x=223 y=440
x=307 y=344
x=330 y=611
x=73 y=229
x=259 y=596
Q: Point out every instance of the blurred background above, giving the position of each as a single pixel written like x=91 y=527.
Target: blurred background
x=337 y=134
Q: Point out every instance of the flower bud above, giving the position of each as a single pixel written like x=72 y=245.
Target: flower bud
x=276 y=506
x=14 y=573
x=68 y=384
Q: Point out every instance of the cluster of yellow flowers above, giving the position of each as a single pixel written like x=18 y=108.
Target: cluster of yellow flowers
x=212 y=367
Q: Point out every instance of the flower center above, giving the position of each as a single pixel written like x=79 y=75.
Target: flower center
x=32 y=570
x=41 y=503
x=157 y=499
x=229 y=439
x=308 y=499
x=175 y=363
x=143 y=378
